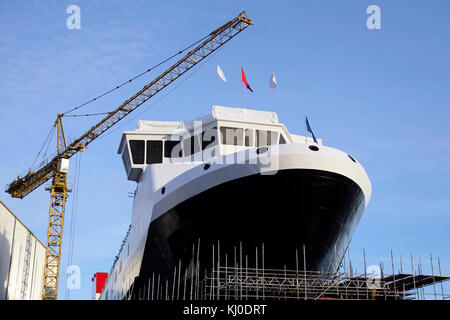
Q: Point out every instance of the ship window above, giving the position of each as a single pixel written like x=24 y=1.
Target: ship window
x=172 y=149
x=209 y=138
x=232 y=136
x=266 y=138
x=187 y=147
x=137 y=151
x=154 y=151
x=191 y=145
x=248 y=137
x=195 y=144
x=282 y=140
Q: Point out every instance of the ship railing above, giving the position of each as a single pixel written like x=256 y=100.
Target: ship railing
x=116 y=258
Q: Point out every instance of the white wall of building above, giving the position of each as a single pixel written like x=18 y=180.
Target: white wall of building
x=22 y=258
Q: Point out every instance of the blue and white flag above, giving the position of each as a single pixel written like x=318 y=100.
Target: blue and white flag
x=308 y=127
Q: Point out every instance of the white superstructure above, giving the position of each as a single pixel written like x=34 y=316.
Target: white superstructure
x=174 y=161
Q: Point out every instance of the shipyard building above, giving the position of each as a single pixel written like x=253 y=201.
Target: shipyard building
x=22 y=258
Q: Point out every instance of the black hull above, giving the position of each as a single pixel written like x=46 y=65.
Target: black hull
x=286 y=211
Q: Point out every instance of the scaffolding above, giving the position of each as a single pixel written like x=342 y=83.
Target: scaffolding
x=238 y=280
x=230 y=283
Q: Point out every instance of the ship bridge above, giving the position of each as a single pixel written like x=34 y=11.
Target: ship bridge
x=225 y=131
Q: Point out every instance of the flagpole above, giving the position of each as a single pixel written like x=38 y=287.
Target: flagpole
x=217 y=85
x=305 y=131
x=273 y=85
x=273 y=105
x=242 y=96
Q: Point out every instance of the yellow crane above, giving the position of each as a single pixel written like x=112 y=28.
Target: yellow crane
x=57 y=168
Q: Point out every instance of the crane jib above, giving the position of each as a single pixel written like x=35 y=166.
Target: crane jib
x=22 y=186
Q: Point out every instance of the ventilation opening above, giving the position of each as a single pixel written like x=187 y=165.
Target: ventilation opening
x=314 y=148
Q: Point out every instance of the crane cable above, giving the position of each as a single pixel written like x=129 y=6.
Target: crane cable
x=78 y=165
x=135 y=77
x=200 y=65
x=65 y=114
x=46 y=141
x=73 y=218
x=87 y=114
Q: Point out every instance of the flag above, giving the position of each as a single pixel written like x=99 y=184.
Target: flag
x=273 y=81
x=244 y=80
x=308 y=127
x=221 y=75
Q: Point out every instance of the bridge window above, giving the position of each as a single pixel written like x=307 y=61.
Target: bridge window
x=137 y=151
x=154 y=151
x=172 y=149
x=191 y=145
x=232 y=136
x=266 y=138
x=209 y=138
x=195 y=144
x=248 y=137
x=282 y=140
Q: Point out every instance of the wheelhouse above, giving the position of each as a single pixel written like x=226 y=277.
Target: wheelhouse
x=224 y=131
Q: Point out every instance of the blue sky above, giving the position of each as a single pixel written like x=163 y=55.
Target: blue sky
x=380 y=95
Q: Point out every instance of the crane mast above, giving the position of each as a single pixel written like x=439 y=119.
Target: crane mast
x=57 y=168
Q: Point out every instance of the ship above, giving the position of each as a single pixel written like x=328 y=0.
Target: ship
x=235 y=179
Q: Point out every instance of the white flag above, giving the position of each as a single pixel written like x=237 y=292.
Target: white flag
x=273 y=81
x=221 y=75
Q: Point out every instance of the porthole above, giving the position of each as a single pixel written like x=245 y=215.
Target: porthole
x=314 y=148
x=351 y=158
x=163 y=190
x=261 y=150
x=207 y=166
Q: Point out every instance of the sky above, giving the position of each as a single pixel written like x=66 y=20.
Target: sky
x=381 y=95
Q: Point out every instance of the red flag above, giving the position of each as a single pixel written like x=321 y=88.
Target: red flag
x=244 y=80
